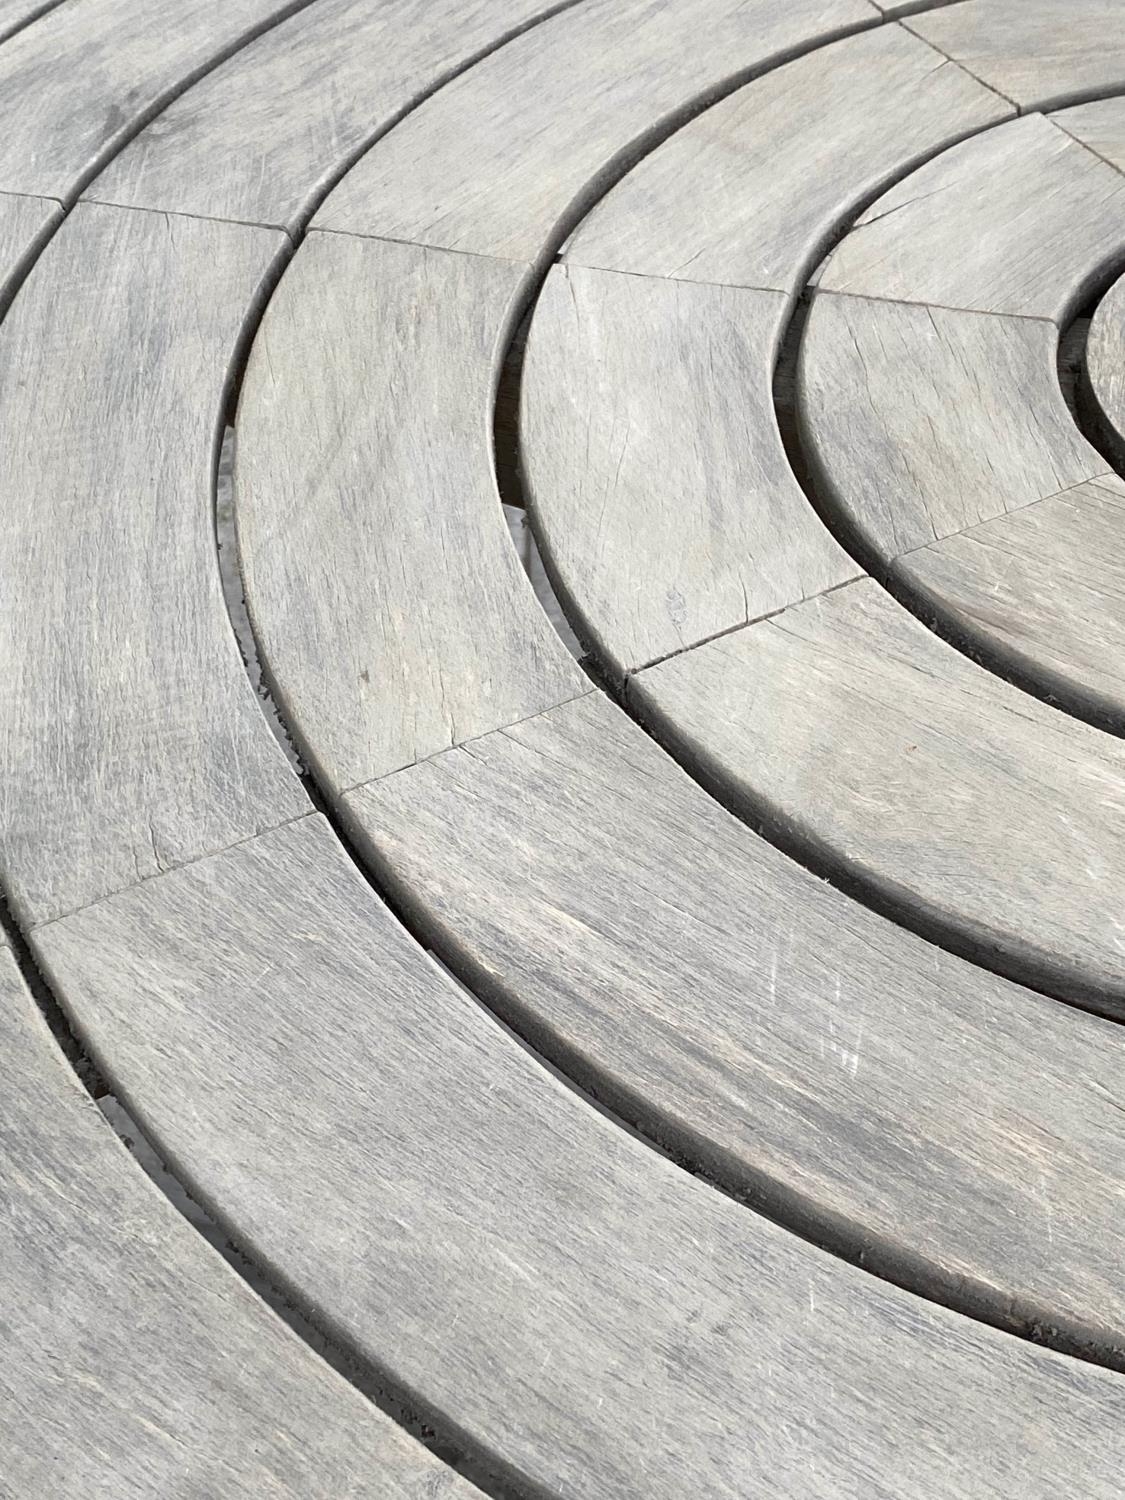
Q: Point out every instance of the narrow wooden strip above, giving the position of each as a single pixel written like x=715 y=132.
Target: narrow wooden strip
x=924 y=422
x=749 y=193
x=344 y=68
x=1105 y=364
x=1039 y=53
x=576 y=1305
x=666 y=504
x=494 y=162
x=77 y=83
x=1043 y=589
x=387 y=596
x=135 y=1361
x=132 y=739
x=1021 y=219
x=990 y=818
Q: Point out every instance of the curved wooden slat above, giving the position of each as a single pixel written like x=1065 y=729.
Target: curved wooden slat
x=1038 y=53
x=132 y=740
x=1105 y=368
x=750 y=191
x=494 y=162
x=1042 y=589
x=924 y=422
x=1022 y=220
x=135 y=1361
x=678 y=517
x=557 y=1291
x=989 y=816
x=77 y=83
x=263 y=134
x=449 y=642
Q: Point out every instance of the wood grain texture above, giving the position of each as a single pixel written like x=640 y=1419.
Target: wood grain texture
x=25 y=226
x=1038 y=53
x=923 y=422
x=1022 y=219
x=261 y=137
x=888 y=1096
x=17 y=13
x=988 y=817
x=1100 y=125
x=390 y=605
x=580 y=1307
x=493 y=162
x=131 y=737
x=136 y=1363
x=77 y=84
x=750 y=192
x=1042 y=590
x=1105 y=363
x=664 y=500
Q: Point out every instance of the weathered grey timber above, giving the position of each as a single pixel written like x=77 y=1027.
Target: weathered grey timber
x=25 y=226
x=990 y=817
x=666 y=504
x=131 y=739
x=494 y=162
x=1038 y=53
x=587 y=1318
x=751 y=190
x=946 y=433
x=803 y=1049
x=369 y=525
x=262 y=135
x=1021 y=219
x=136 y=1362
x=325 y=470
x=17 y=13
x=576 y=1305
x=681 y=518
x=76 y=84
x=1100 y=125
x=648 y=434
x=1105 y=369
x=924 y=422
x=1043 y=590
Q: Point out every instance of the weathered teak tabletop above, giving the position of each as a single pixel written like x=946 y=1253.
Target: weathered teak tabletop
x=439 y=1060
